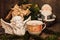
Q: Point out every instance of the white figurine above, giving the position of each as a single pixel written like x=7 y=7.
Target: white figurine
x=17 y=26
x=46 y=11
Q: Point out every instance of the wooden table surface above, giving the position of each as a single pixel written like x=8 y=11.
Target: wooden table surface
x=54 y=29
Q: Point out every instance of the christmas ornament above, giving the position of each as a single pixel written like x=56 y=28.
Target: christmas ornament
x=46 y=12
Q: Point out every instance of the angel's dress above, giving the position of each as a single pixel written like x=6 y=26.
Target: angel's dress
x=15 y=27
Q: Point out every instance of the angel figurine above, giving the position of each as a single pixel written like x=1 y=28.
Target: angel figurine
x=17 y=24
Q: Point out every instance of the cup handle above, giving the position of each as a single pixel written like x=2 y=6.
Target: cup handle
x=44 y=26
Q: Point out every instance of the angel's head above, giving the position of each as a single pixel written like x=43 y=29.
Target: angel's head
x=16 y=20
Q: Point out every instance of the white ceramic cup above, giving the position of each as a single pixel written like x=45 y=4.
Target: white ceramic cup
x=35 y=27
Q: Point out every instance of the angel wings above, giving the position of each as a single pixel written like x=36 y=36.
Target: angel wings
x=16 y=26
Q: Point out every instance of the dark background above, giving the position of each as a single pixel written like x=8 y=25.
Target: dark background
x=6 y=5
